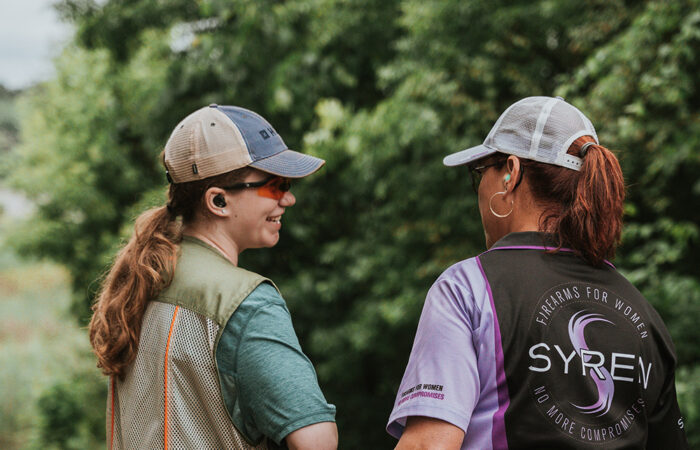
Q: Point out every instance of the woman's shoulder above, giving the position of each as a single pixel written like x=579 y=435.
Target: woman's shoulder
x=265 y=294
x=462 y=284
x=462 y=272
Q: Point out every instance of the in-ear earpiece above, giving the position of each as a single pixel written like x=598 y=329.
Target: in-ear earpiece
x=219 y=201
x=507 y=178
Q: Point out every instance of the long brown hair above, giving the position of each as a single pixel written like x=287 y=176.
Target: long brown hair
x=582 y=208
x=142 y=269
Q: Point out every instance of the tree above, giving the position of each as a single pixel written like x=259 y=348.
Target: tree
x=8 y=123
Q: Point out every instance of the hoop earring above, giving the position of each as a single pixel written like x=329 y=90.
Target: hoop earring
x=501 y=216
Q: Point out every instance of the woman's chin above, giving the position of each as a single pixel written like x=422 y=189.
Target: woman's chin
x=272 y=241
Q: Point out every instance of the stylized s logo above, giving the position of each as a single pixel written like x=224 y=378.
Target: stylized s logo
x=604 y=383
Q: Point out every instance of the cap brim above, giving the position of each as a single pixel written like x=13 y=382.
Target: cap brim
x=467 y=156
x=289 y=164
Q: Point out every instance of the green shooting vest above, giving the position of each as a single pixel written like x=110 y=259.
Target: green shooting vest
x=171 y=395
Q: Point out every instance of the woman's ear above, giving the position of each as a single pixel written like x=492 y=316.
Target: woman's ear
x=215 y=201
x=513 y=173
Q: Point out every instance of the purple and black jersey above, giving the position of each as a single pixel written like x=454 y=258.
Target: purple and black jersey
x=524 y=348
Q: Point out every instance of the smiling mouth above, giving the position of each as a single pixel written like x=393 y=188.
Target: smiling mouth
x=276 y=219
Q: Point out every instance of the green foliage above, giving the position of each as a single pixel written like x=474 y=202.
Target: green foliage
x=8 y=120
x=43 y=354
x=86 y=156
x=382 y=90
x=72 y=417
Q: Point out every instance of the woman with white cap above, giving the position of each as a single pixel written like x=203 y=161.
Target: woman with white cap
x=202 y=353
x=540 y=342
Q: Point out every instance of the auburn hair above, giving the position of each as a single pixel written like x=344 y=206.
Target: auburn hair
x=142 y=269
x=584 y=208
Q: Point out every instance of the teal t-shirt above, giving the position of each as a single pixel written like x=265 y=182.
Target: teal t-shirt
x=269 y=386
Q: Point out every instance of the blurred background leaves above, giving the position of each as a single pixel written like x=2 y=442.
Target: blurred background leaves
x=382 y=90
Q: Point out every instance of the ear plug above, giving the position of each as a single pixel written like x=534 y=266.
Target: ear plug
x=507 y=178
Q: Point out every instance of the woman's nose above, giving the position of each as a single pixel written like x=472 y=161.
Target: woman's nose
x=288 y=199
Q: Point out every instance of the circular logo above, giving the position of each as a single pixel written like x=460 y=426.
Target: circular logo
x=587 y=366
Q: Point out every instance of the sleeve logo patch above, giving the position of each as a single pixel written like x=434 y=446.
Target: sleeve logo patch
x=433 y=391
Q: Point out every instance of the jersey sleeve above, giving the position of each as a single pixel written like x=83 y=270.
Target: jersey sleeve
x=441 y=380
x=276 y=389
x=666 y=427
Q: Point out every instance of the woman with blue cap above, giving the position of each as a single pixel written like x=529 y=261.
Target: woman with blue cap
x=200 y=352
x=540 y=342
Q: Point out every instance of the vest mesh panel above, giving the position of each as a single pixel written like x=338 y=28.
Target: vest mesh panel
x=197 y=417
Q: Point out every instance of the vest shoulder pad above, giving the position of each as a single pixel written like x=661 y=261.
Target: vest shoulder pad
x=206 y=282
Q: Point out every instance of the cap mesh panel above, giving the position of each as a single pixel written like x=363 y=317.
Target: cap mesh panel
x=514 y=134
x=557 y=131
x=215 y=149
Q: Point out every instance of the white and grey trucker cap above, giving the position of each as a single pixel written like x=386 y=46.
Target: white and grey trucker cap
x=537 y=128
x=218 y=139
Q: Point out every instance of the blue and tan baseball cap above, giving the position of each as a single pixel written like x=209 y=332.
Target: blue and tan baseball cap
x=218 y=139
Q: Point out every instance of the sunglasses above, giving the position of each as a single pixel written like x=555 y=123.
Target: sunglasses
x=477 y=172
x=273 y=187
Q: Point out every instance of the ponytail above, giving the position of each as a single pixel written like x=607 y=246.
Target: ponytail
x=583 y=209
x=141 y=270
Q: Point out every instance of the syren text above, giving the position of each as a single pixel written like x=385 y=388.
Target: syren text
x=621 y=365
